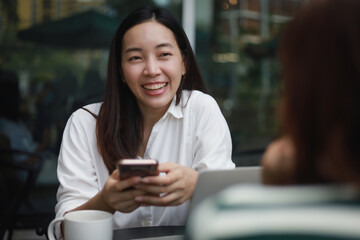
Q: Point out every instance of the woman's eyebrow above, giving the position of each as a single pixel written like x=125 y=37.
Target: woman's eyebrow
x=165 y=45
x=137 y=49
x=134 y=49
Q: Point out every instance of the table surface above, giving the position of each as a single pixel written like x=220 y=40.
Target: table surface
x=147 y=232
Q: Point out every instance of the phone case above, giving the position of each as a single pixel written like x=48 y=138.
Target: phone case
x=137 y=167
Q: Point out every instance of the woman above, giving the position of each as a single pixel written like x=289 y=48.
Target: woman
x=318 y=157
x=320 y=113
x=154 y=107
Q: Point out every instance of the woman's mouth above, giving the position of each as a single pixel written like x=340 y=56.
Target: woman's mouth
x=155 y=89
x=154 y=86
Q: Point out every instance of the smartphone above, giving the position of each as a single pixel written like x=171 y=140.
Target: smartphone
x=137 y=167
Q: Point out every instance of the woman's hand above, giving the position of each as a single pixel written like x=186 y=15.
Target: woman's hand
x=119 y=195
x=173 y=189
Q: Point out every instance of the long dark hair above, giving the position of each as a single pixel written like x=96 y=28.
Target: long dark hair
x=119 y=123
x=320 y=54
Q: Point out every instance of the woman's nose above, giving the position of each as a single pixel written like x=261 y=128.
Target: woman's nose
x=152 y=67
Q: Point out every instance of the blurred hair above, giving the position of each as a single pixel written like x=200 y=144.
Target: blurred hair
x=119 y=125
x=320 y=56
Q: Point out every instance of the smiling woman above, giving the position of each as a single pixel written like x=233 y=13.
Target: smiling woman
x=155 y=106
x=152 y=66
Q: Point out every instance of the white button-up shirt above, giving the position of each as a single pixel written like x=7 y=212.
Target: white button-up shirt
x=194 y=134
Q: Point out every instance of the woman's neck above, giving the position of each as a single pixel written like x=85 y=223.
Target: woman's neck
x=150 y=118
x=152 y=115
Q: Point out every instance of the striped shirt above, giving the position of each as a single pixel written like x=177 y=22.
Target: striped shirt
x=273 y=212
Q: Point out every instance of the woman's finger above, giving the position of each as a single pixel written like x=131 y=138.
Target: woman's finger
x=172 y=199
x=172 y=172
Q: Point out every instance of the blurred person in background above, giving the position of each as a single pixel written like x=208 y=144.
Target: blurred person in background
x=320 y=107
x=14 y=133
x=11 y=124
x=311 y=173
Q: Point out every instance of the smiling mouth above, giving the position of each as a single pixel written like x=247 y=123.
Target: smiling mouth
x=154 y=86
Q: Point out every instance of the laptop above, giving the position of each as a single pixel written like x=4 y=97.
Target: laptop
x=213 y=181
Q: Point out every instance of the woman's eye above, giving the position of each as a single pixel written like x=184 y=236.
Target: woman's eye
x=134 y=58
x=166 y=54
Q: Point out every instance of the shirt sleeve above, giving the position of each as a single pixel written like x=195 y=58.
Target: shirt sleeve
x=76 y=170
x=212 y=146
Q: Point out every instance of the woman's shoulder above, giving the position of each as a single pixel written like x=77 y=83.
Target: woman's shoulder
x=198 y=98
x=88 y=112
x=278 y=161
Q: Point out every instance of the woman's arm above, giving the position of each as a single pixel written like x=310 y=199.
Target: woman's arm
x=115 y=196
x=212 y=143
x=79 y=176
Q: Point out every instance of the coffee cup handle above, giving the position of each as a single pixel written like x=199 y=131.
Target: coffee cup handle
x=51 y=234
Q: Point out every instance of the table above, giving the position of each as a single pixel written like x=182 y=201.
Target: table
x=147 y=232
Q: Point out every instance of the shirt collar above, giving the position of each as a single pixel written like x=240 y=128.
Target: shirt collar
x=174 y=110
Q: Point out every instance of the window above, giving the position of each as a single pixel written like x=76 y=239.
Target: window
x=236 y=48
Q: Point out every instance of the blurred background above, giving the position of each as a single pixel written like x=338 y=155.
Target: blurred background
x=56 y=51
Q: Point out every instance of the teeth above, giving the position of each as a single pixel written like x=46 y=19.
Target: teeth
x=155 y=86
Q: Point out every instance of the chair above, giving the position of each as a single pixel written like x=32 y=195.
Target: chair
x=17 y=180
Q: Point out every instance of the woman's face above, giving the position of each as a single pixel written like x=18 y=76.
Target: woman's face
x=152 y=65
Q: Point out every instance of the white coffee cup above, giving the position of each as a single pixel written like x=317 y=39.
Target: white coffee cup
x=85 y=224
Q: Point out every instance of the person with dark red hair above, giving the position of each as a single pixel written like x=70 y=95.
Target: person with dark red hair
x=320 y=106
x=311 y=174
